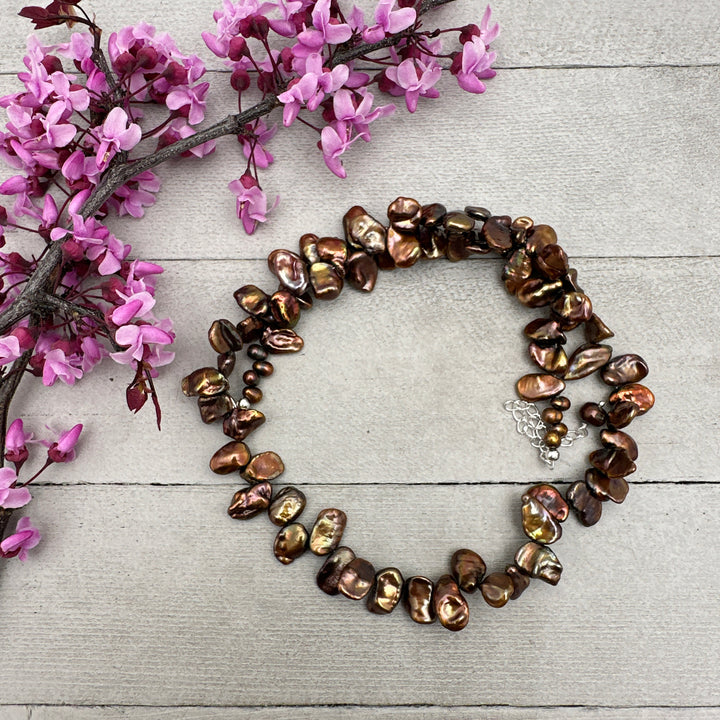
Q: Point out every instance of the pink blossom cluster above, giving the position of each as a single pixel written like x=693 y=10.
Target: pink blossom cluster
x=75 y=116
x=307 y=78
x=15 y=495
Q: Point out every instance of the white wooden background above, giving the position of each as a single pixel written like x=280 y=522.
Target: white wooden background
x=145 y=600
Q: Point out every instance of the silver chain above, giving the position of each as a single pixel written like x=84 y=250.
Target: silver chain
x=529 y=422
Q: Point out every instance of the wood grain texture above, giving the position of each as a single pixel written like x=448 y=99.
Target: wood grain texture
x=153 y=596
x=408 y=384
x=581 y=32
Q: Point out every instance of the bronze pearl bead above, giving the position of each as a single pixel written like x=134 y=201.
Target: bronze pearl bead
x=327 y=531
x=357 y=579
x=250 y=502
x=468 y=568
x=263 y=368
x=263 y=467
x=329 y=574
x=417 y=598
x=497 y=588
x=290 y=543
x=286 y=506
x=387 y=591
x=450 y=606
x=231 y=457
x=250 y=377
x=587 y=507
x=252 y=394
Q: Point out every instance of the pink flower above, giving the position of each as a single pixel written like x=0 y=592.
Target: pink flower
x=23 y=539
x=58 y=366
x=473 y=65
x=325 y=29
x=12 y=497
x=487 y=33
x=136 y=337
x=347 y=109
x=16 y=440
x=135 y=305
x=57 y=133
x=285 y=26
x=415 y=79
x=137 y=194
x=191 y=97
x=255 y=146
x=115 y=135
x=389 y=21
x=251 y=204
x=92 y=353
x=64 y=449
x=9 y=349
x=334 y=141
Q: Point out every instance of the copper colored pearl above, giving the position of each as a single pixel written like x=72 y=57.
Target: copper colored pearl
x=572 y=309
x=551 y=499
x=329 y=574
x=539 y=561
x=417 y=598
x=286 y=506
x=362 y=271
x=538 y=386
x=587 y=507
x=289 y=269
x=593 y=414
x=204 y=382
x=325 y=281
x=636 y=393
x=252 y=300
x=619 y=439
x=241 y=422
x=404 y=214
x=606 y=488
x=545 y=332
x=450 y=606
x=250 y=502
x=357 y=579
x=230 y=458
x=404 y=247
x=586 y=359
x=468 y=568
x=496 y=233
x=224 y=337
x=263 y=466
x=387 y=591
x=520 y=581
x=215 y=408
x=539 y=237
x=552 y=359
x=363 y=231
x=285 y=309
x=252 y=394
x=613 y=462
x=624 y=369
x=327 y=531
x=497 y=588
x=538 y=523
x=282 y=341
x=290 y=543
x=622 y=414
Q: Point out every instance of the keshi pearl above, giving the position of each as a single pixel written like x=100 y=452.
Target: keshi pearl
x=432 y=215
x=252 y=300
x=433 y=242
x=325 y=281
x=251 y=328
x=552 y=262
x=570 y=281
x=333 y=250
x=551 y=498
x=417 y=598
x=287 y=505
x=327 y=531
x=468 y=568
x=636 y=393
x=363 y=231
x=308 y=248
x=516 y=271
x=456 y=247
x=478 y=213
x=257 y=352
x=537 y=386
x=497 y=234
x=385 y=261
x=290 y=543
x=226 y=363
x=587 y=507
x=560 y=403
x=289 y=269
x=450 y=606
x=404 y=248
x=572 y=309
x=619 y=439
x=613 y=462
x=593 y=414
x=282 y=341
x=404 y=214
x=596 y=330
x=540 y=562
x=550 y=416
x=497 y=588
x=623 y=369
x=520 y=581
x=362 y=271
x=263 y=368
x=540 y=236
x=537 y=293
x=458 y=222
x=205 y=382
x=606 y=488
x=215 y=407
x=586 y=360
x=250 y=377
x=622 y=414
x=230 y=457
x=458 y=229
x=263 y=467
x=387 y=591
x=520 y=227
x=545 y=332
x=357 y=579
x=240 y=423
x=331 y=570
x=285 y=309
x=538 y=523
x=252 y=394
x=224 y=337
x=250 y=501
x=305 y=300
x=552 y=359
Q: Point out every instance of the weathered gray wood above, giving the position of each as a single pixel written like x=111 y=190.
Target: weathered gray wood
x=647 y=32
x=331 y=713
x=153 y=596
x=407 y=384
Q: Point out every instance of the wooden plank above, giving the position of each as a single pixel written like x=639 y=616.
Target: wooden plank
x=44 y=712
x=612 y=159
x=406 y=384
x=152 y=596
x=534 y=34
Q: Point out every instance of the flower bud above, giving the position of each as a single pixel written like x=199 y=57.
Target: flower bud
x=124 y=63
x=175 y=73
x=240 y=80
x=64 y=449
x=147 y=57
x=238 y=49
x=468 y=33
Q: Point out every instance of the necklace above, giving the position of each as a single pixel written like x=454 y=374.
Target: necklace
x=537 y=272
